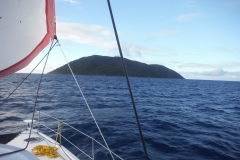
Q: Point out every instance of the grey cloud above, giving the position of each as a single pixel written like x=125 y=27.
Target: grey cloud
x=216 y=72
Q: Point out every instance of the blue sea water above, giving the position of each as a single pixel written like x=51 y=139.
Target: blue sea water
x=180 y=119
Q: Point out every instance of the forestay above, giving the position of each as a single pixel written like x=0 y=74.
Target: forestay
x=26 y=27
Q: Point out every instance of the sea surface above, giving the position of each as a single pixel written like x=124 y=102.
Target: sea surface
x=180 y=119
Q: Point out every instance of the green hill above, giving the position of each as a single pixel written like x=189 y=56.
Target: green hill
x=112 y=66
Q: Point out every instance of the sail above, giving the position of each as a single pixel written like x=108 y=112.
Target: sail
x=26 y=28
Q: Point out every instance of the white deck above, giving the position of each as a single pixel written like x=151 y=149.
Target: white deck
x=19 y=142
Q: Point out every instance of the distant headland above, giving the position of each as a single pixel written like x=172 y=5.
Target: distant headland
x=112 y=66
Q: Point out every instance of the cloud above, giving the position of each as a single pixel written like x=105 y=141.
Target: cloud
x=226 y=76
x=189 y=3
x=189 y=17
x=229 y=65
x=86 y=34
x=71 y=1
x=107 y=33
x=98 y=36
x=165 y=33
x=216 y=72
x=227 y=71
x=128 y=48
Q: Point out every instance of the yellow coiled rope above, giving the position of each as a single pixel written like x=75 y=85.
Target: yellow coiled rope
x=42 y=150
x=48 y=151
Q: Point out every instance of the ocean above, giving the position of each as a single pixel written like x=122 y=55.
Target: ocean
x=180 y=119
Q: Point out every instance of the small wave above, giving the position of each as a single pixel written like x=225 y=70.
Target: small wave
x=203 y=152
x=11 y=118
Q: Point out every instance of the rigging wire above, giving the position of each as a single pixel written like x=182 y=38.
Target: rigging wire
x=127 y=79
x=35 y=104
x=86 y=103
x=52 y=45
x=77 y=131
x=27 y=75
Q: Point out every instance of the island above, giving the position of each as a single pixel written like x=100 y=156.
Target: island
x=112 y=66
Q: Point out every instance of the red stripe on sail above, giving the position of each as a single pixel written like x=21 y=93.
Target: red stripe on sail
x=51 y=30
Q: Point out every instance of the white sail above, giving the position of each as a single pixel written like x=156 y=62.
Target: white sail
x=26 y=27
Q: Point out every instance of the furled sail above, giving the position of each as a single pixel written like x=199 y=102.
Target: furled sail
x=26 y=27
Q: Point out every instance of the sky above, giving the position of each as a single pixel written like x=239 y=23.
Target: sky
x=200 y=39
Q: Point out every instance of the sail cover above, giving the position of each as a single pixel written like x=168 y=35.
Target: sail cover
x=26 y=27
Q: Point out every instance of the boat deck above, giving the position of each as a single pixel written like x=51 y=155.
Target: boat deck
x=36 y=139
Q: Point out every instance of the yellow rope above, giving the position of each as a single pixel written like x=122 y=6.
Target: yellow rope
x=42 y=150
x=57 y=133
x=50 y=152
